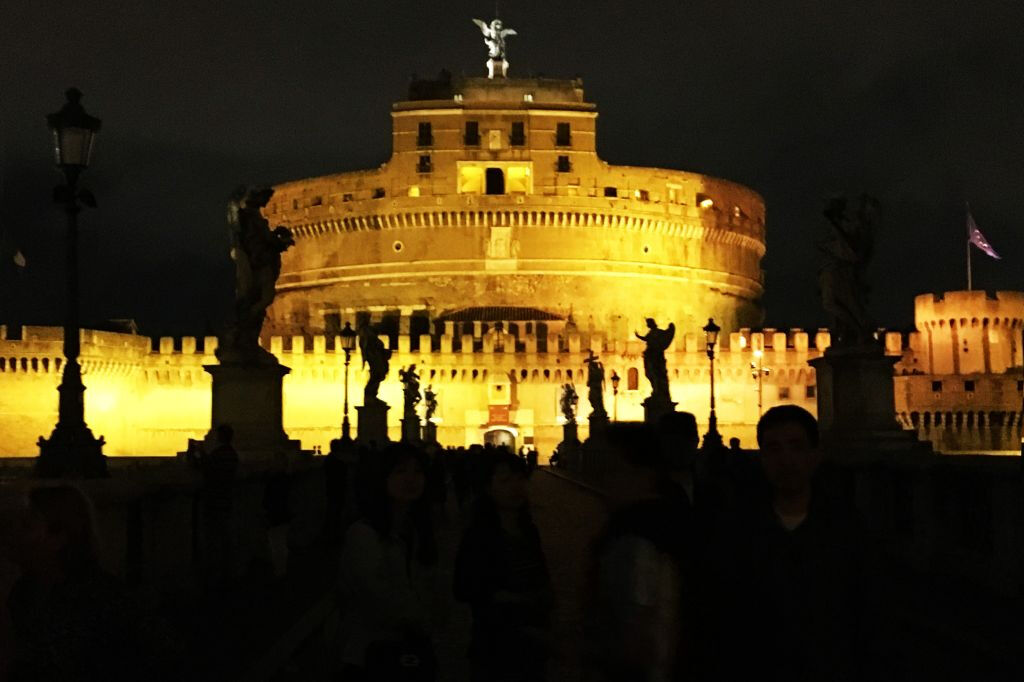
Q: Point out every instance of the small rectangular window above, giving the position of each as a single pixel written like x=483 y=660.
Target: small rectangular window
x=810 y=391
x=642 y=195
x=317 y=201
x=969 y=386
x=346 y=197
x=517 y=137
x=937 y=387
x=378 y=193
x=783 y=392
x=295 y=204
x=563 y=135
x=563 y=164
x=611 y=192
x=423 y=166
x=1020 y=386
x=472 y=137
x=425 y=136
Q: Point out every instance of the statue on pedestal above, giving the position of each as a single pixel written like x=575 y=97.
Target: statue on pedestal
x=494 y=37
x=411 y=390
x=595 y=385
x=657 y=342
x=847 y=252
x=256 y=251
x=376 y=356
x=430 y=399
x=568 y=403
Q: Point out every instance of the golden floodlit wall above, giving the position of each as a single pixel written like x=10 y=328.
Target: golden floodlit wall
x=150 y=398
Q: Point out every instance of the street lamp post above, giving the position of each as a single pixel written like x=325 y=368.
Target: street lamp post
x=758 y=371
x=71 y=450
x=348 y=344
x=712 y=438
x=615 y=395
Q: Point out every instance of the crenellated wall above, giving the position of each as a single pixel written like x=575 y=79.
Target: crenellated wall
x=970 y=332
x=150 y=396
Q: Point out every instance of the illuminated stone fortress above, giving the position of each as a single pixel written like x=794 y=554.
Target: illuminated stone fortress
x=496 y=250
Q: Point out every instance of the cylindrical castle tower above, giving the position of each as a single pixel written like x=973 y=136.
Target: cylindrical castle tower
x=495 y=207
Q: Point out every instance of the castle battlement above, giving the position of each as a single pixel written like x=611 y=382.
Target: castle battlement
x=962 y=309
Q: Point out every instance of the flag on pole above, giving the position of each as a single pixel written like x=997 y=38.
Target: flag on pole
x=974 y=236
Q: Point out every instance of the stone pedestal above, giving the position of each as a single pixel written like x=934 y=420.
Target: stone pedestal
x=248 y=398
x=411 y=429
x=598 y=425
x=497 y=68
x=654 y=408
x=569 y=448
x=373 y=423
x=430 y=432
x=856 y=406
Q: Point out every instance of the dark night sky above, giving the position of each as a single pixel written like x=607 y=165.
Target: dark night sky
x=921 y=104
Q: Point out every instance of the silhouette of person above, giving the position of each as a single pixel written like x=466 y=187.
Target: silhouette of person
x=635 y=597
x=69 y=620
x=387 y=577
x=791 y=584
x=501 y=572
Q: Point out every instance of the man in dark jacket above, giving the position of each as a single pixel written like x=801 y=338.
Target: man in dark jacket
x=790 y=581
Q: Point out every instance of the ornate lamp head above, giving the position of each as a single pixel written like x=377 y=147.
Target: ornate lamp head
x=74 y=132
x=711 y=331
x=348 y=338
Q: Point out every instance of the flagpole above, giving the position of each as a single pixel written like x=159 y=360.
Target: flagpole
x=968 y=265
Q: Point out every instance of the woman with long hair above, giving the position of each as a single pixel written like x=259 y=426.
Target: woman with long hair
x=386 y=571
x=501 y=572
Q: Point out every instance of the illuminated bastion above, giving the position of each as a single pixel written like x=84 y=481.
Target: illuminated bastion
x=495 y=208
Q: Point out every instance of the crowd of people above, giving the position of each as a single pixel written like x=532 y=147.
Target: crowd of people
x=712 y=565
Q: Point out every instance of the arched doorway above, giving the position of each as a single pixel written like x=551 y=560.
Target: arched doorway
x=500 y=437
x=495 y=181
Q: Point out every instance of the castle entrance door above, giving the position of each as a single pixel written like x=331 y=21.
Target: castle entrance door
x=500 y=437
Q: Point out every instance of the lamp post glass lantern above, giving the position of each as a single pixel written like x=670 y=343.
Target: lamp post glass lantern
x=615 y=395
x=348 y=344
x=712 y=438
x=71 y=450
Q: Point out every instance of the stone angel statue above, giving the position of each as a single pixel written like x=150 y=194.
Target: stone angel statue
x=410 y=389
x=595 y=384
x=657 y=342
x=377 y=357
x=494 y=37
x=841 y=280
x=256 y=251
x=568 y=403
x=430 y=399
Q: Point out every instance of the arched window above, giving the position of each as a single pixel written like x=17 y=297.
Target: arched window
x=632 y=379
